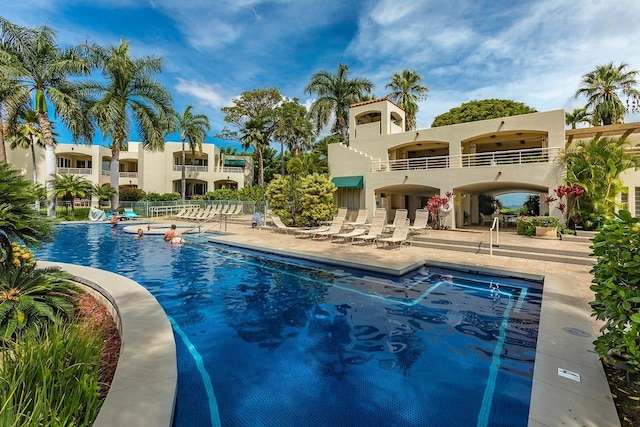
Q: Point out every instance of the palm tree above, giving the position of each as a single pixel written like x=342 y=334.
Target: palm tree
x=34 y=60
x=27 y=135
x=19 y=221
x=579 y=115
x=307 y=164
x=336 y=92
x=128 y=95
x=68 y=187
x=293 y=129
x=102 y=192
x=597 y=165
x=13 y=98
x=406 y=92
x=31 y=298
x=193 y=128
x=603 y=88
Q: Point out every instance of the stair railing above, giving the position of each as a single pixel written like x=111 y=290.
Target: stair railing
x=494 y=226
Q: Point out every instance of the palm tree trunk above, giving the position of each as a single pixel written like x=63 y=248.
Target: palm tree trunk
x=33 y=158
x=282 y=156
x=260 y=166
x=183 y=180
x=114 y=179
x=49 y=160
x=3 y=150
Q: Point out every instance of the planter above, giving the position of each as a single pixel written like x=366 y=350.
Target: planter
x=547 y=232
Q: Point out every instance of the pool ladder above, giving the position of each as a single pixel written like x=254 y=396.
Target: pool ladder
x=494 y=226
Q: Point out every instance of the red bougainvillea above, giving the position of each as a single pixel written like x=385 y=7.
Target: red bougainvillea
x=568 y=197
x=438 y=205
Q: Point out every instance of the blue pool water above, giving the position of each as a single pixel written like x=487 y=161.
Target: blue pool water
x=267 y=341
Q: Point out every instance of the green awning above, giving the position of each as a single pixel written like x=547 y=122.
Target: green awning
x=235 y=162
x=348 y=181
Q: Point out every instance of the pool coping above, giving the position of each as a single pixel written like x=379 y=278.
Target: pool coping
x=143 y=389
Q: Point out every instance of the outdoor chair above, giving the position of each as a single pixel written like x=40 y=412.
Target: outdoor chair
x=420 y=223
x=400 y=236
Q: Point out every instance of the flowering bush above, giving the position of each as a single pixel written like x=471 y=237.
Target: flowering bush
x=526 y=225
x=568 y=197
x=21 y=256
x=437 y=204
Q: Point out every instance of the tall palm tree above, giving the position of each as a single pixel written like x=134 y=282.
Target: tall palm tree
x=293 y=129
x=13 y=98
x=34 y=60
x=336 y=92
x=406 y=92
x=27 y=135
x=128 y=95
x=193 y=128
x=603 y=88
x=579 y=115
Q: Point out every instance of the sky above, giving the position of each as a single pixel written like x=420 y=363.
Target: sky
x=534 y=52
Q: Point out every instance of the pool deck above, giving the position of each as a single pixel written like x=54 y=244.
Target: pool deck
x=569 y=385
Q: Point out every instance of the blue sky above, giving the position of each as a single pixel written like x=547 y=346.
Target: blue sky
x=530 y=51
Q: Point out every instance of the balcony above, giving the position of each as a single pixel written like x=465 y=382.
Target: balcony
x=75 y=171
x=191 y=168
x=494 y=158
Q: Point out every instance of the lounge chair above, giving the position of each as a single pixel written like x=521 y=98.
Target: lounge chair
x=420 y=223
x=360 y=220
x=485 y=220
x=341 y=215
x=346 y=236
x=400 y=220
x=400 y=236
x=310 y=232
x=129 y=213
x=334 y=228
x=381 y=213
x=280 y=226
x=375 y=231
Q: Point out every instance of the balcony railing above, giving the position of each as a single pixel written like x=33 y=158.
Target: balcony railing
x=75 y=171
x=494 y=158
x=121 y=174
x=191 y=168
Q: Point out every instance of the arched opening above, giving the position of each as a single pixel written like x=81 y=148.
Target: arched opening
x=196 y=188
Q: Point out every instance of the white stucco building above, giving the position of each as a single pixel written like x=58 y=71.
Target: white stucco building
x=158 y=172
x=384 y=166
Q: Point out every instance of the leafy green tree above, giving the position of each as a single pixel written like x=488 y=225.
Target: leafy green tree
x=129 y=195
x=531 y=206
x=604 y=88
x=597 y=165
x=255 y=116
x=271 y=163
x=128 y=94
x=579 y=115
x=317 y=199
x=293 y=130
x=69 y=186
x=335 y=94
x=31 y=298
x=33 y=59
x=19 y=221
x=616 y=285
x=474 y=111
x=306 y=164
x=193 y=129
x=406 y=92
x=27 y=135
x=282 y=196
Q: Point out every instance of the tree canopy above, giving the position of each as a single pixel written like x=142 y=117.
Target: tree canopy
x=474 y=111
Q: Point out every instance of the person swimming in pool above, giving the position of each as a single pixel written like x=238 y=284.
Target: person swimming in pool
x=174 y=236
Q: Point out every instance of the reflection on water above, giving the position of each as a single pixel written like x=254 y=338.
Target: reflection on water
x=293 y=344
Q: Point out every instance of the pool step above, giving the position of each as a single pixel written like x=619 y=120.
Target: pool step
x=568 y=256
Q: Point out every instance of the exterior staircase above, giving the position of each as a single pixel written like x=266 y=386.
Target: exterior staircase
x=577 y=251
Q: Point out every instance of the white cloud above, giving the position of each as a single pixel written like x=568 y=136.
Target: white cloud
x=206 y=94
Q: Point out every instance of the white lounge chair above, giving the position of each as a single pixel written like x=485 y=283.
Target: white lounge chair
x=334 y=228
x=346 y=236
x=375 y=231
x=400 y=236
x=280 y=226
x=360 y=220
x=311 y=231
x=399 y=220
x=420 y=223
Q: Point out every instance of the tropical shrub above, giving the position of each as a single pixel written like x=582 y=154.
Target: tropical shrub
x=19 y=221
x=616 y=284
x=435 y=206
x=302 y=202
x=282 y=198
x=221 y=194
x=31 y=298
x=166 y=197
x=132 y=195
x=251 y=193
x=569 y=202
x=526 y=225
x=52 y=380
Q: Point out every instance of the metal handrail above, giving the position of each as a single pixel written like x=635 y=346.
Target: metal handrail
x=495 y=225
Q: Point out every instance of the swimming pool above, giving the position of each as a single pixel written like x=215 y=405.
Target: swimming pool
x=271 y=342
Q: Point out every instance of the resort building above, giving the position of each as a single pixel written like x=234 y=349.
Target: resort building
x=158 y=172
x=385 y=166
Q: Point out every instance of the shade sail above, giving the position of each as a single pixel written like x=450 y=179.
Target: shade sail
x=348 y=181
x=235 y=162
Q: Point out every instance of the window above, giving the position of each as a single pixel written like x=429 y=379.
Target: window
x=83 y=164
x=64 y=162
x=624 y=199
x=637 y=204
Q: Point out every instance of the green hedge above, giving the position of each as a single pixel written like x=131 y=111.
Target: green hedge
x=526 y=225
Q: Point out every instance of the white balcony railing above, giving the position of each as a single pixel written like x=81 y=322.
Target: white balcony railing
x=191 y=168
x=218 y=169
x=121 y=174
x=494 y=158
x=75 y=171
